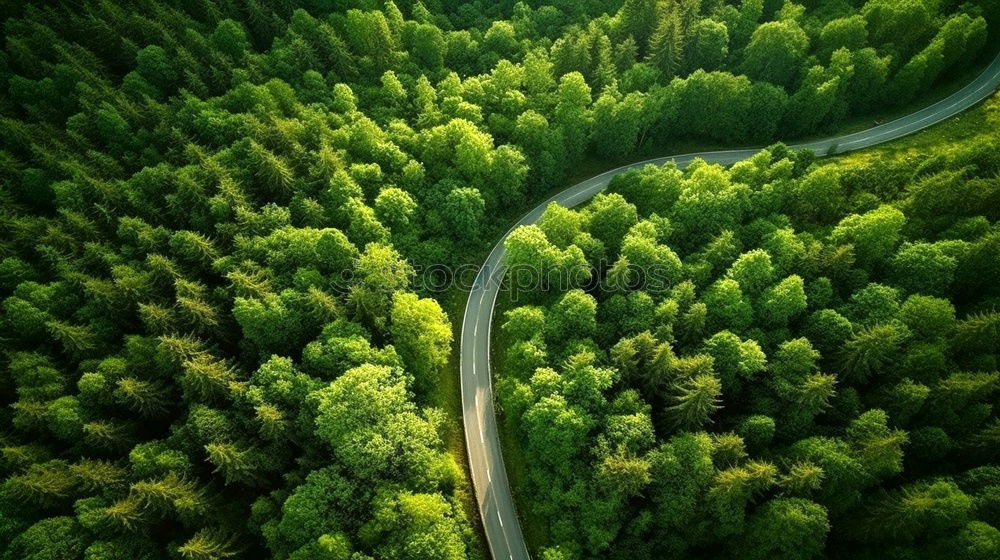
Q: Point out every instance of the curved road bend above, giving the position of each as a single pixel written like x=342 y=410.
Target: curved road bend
x=496 y=504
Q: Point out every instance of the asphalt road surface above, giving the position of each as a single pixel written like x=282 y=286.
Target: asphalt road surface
x=496 y=505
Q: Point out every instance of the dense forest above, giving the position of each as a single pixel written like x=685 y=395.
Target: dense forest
x=216 y=344
x=779 y=360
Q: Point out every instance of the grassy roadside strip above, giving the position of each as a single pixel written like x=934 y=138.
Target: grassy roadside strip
x=447 y=396
x=977 y=121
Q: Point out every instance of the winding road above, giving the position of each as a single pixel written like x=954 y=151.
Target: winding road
x=495 y=502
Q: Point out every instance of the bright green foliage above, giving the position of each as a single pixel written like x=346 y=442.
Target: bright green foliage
x=794 y=361
x=560 y=225
x=707 y=45
x=423 y=336
x=219 y=339
x=56 y=538
x=418 y=526
x=367 y=420
x=776 y=52
x=463 y=209
x=524 y=323
x=301 y=519
x=920 y=509
x=790 y=528
x=874 y=234
x=380 y=272
x=556 y=431
x=695 y=401
x=666 y=45
x=736 y=361
x=819 y=196
x=575 y=315
x=727 y=307
x=753 y=271
x=872 y=349
x=928 y=317
x=784 y=301
x=879 y=448
x=801 y=385
x=900 y=23
x=844 y=33
x=395 y=208
x=756 y=431
x=924 y=268
x=207 y=544
x=610 y=216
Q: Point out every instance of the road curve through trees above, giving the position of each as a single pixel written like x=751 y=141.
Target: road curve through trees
x=493 y=496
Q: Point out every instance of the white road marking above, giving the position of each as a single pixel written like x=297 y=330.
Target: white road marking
x=481 y=440
x=499 y=519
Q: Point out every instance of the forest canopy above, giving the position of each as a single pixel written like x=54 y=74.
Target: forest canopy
x=766 y=361
x=214 y=339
